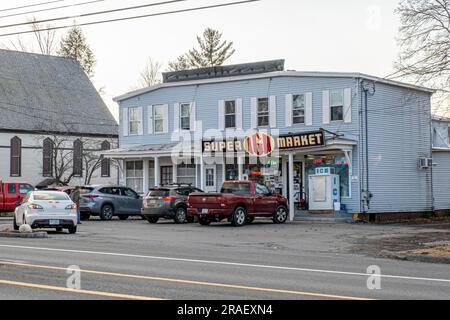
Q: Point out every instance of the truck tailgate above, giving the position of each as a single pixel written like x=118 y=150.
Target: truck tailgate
x=205 y=200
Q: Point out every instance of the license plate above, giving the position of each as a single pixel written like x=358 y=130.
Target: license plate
x=205 y=211
x=53 y=222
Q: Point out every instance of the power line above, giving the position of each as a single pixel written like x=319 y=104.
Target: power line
x=92 y=13
x=50 y=9
x=31 y=5
x=134 y=17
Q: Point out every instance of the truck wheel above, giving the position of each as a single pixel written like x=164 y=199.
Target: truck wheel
x=107 y=212
x=15 y=226
x=204 y=221
x=152 y=220
x=280 y=216
x=123 y=217
x=180 y=215
x=72 y=230
x=239 y=217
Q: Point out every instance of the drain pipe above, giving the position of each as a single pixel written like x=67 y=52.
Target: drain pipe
x=368 y=89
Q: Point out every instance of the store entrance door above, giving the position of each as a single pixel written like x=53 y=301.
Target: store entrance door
x=210 y=179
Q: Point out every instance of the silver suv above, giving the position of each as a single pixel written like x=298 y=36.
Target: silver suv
x=169 y=202
x=109 y=201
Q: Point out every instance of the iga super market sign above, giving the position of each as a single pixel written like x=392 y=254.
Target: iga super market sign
x=262 y=144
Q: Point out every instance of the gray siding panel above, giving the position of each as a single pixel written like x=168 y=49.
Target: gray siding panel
x=399 y=134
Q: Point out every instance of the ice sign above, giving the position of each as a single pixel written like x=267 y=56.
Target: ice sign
x=324 y=171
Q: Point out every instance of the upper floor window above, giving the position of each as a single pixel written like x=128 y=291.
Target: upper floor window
x=16 y=157
x=77 y=158
x=263 y=112
x=158 y=118
x=337 y=105
x=230 y=114
x=298 y=109
x=134 y=121
x=185 y=116
x=47 y=158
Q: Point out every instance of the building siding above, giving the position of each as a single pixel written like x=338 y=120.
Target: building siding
x=399 y=134
x=32 y=159
x=399 y=130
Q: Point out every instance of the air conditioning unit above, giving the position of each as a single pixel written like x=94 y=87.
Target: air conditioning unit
x=425 y=163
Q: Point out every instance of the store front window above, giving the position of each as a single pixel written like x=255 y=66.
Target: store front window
x=166 y=175
x=186 y=174
x=338 y=162
x=134 y=173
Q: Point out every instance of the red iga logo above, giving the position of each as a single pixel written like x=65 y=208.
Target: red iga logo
x=259 y=144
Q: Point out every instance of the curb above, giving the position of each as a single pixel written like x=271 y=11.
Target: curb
x=16 y=234
x=414 y=257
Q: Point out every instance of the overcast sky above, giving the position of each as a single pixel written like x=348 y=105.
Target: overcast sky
x=312 y=35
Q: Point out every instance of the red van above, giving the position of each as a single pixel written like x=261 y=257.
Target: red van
x=12 y=193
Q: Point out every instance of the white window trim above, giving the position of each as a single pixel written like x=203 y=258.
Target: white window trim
x=139 y=121
x=343 y=106
x=154 y=118
x=257 y=112
x=304 y=110
x=235 y=114
x=180 y=116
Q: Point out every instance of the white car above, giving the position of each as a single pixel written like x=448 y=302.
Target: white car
x=47 y=209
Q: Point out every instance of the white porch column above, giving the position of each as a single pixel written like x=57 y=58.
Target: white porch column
x=145 y=174
x=202 y=173
x=122 y=172
x=291 y=187
x=284 y=169
x=174 y=172
x=157 y=172
x=241 y=168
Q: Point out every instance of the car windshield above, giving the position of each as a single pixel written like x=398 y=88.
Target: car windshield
x=158 y=193
x=236 y=188
x=48 y=196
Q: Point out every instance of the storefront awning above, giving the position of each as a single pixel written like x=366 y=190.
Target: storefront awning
x=167 y=150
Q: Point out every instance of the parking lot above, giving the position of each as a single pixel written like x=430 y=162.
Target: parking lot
x=133 y=259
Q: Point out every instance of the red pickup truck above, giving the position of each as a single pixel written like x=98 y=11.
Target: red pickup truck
x=12 y=193
x=239 y=202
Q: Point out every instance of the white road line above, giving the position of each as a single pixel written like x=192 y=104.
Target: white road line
x=237 y=264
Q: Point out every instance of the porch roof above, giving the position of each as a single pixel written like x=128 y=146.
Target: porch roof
x=155 y=150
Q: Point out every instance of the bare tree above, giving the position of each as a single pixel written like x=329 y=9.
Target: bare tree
x=150 y=75
x=425 y=47
x=63 y=154
x=45 y=40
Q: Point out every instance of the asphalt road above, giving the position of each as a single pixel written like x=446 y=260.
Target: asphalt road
x=135 y=260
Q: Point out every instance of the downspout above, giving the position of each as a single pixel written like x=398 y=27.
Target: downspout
x=433 y=208
x=368 y=88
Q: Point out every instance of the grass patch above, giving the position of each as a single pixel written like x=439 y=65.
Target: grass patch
x=437 y=251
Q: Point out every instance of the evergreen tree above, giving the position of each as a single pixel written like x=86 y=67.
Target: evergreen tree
x=74 y=46
x=212 y=52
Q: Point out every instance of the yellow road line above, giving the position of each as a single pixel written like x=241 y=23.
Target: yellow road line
x=191 y=282
x=80 y=291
